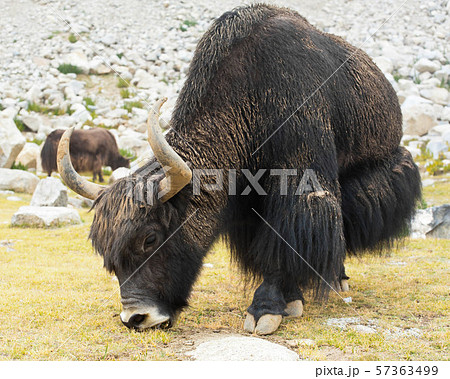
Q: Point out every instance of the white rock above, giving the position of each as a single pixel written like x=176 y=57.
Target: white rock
x=384 y=64
x=34 y=94
x=11 y=141
x=142 y=79
x=119 y=173
x=32 y=121
x=18 y=180
x=42 y=217
x=116 y=113
x=414 y=151
x=50 y=192
x=98 y=67
x=77 y=58
x=431 y=222
x=242 y=349
x=29 y=155
x=437 y=147
x=446 y=137
x=445 y=114
x=441 y=129
x=81 y=114
x=14 y=198
x=364 y=329
x=436 y=95
x=425 y=65
x=418 y=119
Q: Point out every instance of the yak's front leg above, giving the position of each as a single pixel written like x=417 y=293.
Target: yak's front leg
x=268 y=307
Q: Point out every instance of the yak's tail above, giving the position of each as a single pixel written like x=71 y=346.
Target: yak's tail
x=48 y=155
x=378 y=201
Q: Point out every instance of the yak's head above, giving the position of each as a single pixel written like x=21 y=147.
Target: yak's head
x=138 y=229
x=120 y=161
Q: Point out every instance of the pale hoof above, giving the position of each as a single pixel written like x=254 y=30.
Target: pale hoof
x=267 y=324
x=294 y=308
x=344 y=285
x=249 y=323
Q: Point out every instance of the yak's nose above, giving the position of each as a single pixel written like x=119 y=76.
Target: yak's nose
x=134 y=321
x=141 y=318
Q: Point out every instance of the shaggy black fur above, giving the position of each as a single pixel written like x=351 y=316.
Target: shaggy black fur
x=89 y=151
x=255 y=69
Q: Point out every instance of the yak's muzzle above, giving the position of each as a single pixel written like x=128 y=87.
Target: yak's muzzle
x=144 y=318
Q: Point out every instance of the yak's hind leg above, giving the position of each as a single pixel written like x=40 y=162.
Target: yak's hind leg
x=341 y=285
x=300 y=239
x=378 y=201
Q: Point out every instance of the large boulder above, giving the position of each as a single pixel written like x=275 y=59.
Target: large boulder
x=45 y=217
x=18 y=180
x=11 y=140
x=50 y=192
x=432 y=222
x=29 y=155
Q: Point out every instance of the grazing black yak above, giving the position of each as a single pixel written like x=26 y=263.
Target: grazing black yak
x=265 y=90
x=90 y=150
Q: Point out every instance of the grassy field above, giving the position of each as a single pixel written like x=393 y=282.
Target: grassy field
x=58 y=303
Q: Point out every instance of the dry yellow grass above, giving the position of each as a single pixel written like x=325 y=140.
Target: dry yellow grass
x=58 y=303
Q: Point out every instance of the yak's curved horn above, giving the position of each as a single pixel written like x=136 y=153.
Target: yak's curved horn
x=178 y=174
x=74 y=181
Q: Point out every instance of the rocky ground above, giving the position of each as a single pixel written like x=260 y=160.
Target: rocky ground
x=104 y=63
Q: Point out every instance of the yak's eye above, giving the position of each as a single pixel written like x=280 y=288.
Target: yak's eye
x=150 y=240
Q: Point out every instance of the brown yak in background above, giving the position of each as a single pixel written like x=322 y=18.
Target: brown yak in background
x=90 y=150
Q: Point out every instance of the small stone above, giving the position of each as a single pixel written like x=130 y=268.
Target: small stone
x=426 y=65
x=14 y=198
x=364 y=329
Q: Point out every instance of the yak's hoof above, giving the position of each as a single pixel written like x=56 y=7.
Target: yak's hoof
x=294 y=308
x=344 y=285
x=267 y=324
x=341 y=285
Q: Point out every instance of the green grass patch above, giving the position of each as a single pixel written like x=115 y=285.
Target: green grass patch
x=125 y=93
x=88 y=102
x=37 y=141
x=186 y=24
x=19 y=166
x=34 y=107
x=20 y=125
x=73 y=38
x=129 y=105
x=67 y=68
x=106 y=171
x=122 y=83
x=127 y=154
